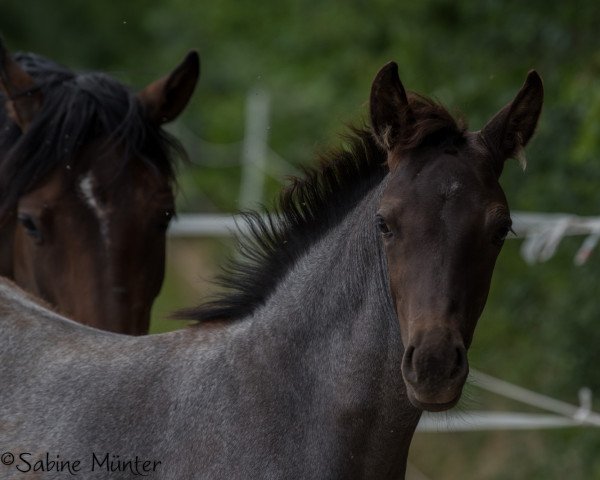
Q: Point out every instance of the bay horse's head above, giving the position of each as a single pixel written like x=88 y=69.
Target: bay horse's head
x=86 y=185
x=443 y=219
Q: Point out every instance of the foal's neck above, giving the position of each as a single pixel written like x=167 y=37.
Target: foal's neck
x=332 y=316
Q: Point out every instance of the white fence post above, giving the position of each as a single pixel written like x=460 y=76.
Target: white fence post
x=254 y=149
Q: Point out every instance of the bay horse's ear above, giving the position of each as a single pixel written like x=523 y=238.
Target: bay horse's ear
x=507 y=133
x=23 y=98
x=390 y=112
x=165 y=99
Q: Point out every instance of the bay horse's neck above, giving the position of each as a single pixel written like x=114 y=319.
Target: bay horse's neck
x=332 y=329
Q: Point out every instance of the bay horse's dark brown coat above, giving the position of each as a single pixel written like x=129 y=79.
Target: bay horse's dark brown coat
x=86 y=187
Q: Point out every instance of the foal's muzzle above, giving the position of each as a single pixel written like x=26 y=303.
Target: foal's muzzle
x=435 y=369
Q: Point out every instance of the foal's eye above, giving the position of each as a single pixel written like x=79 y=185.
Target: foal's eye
x=165 y=219
x=382 y=226
x=502 y=233
x=30 y=227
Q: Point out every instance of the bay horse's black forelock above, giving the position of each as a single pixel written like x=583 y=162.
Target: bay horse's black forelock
x=306 y=210
x=77 y=109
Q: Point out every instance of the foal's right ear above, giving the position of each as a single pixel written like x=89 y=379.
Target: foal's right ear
x=390 y=112
x=166 y=98
x=23 y=98
x=507 y=133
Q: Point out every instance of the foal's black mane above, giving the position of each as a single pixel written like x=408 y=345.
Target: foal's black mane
x=77 y=108
x=308 y=207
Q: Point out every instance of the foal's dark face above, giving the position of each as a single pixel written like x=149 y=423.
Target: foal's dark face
x=443 y=219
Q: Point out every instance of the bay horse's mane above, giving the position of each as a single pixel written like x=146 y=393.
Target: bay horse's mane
x=308 y=207
x=77 y=108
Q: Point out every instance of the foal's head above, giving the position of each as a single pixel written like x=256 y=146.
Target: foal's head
x=87 y=185
x=443 y=219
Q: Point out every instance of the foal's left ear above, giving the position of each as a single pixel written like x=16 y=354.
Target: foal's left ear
x=166 y=98
x=390 y=111
x=507 y=133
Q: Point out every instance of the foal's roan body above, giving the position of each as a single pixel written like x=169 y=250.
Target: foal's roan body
x=86 y=177
x=353 y=315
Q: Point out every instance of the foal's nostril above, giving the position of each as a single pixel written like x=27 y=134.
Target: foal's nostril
x=459 y=358
x=460 y=362
x=408 y=369
x=408 y=355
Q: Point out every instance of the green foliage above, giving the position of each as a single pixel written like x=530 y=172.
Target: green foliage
x=317 y=60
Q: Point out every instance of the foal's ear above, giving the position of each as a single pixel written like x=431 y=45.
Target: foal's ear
x=23 y=99
x=507 y=133
x=165 y=99
x=390 y=112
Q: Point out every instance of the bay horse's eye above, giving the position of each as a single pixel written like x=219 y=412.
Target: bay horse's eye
x=382 y=226
x=30 y=227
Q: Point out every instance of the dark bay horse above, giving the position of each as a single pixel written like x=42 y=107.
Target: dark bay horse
x=86 y=187
x=351 y=314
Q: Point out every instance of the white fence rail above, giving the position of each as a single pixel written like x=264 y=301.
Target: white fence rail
x=542 y=232
x=563 y=414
